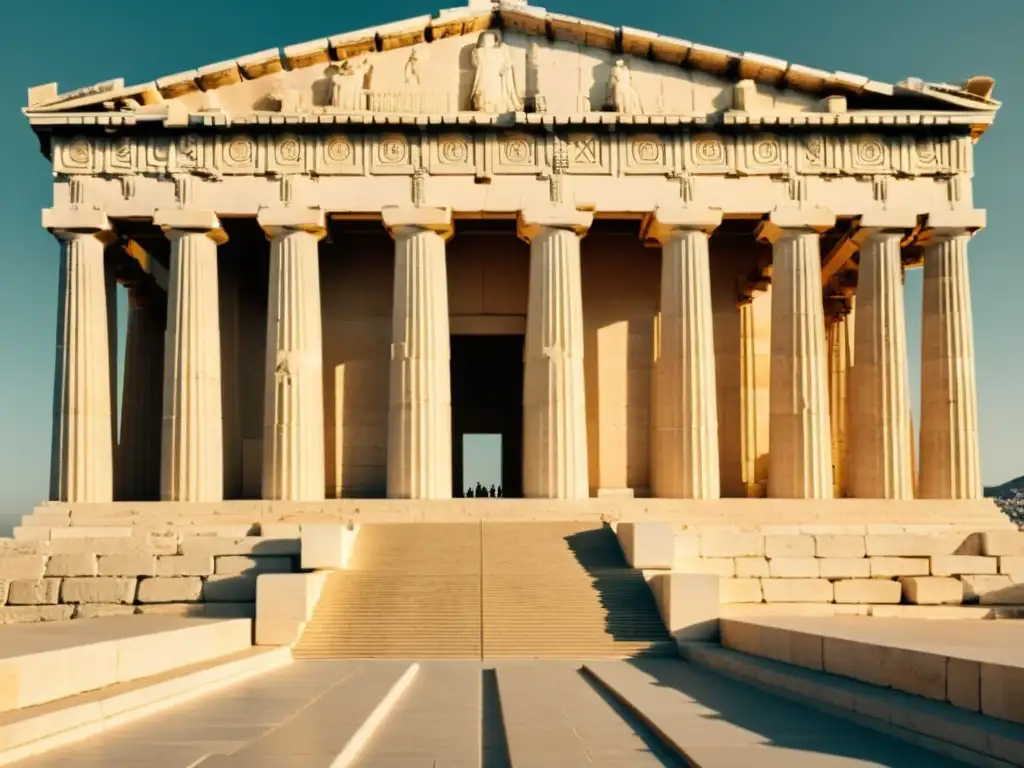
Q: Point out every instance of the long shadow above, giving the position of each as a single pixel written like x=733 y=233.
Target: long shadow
x=781 y=722
x=631 y=614
x=493 y=738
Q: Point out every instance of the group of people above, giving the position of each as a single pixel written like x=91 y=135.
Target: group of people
x=480 y=492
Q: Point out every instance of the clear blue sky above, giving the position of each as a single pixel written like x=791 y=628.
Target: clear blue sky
x=77 y=42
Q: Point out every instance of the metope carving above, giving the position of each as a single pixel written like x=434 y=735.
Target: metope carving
x=339 y=155
x=452 y=154
x=764 y=154
x=645 y=153
x=868 y=155
x=515 y=153
x=708 y=153
x=121 y=156
x=288 y=154
x=392 y=155
x=239 y=155
x=588 y=154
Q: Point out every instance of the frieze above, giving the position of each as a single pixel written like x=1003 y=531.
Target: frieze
x=676 y=154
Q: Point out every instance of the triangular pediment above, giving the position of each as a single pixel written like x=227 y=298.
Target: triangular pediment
x=559 y=65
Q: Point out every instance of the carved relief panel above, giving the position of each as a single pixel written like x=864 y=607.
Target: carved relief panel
x=515 y=153
x=452 y=154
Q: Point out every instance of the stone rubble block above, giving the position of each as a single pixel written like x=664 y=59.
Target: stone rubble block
x=839 y=545
x=201 y=610
x=718 y=566
x=5 y=585
x=34 y=592
x=687 y=545
x=868 y=591
x=794 y=568
x=101 y=546
x=127 y=565
x=184 y=565
x=22 y=566
x=231 y=565
x=245 y=545
x=797 y=590
x=17 y=547
x=98 y=590
x=1012 y=566
x=739 y=591
x=731 y=544
x=752 y=567
x=72 y=565
x=919 y=545
x=230 y=589
x=92 y=532
x=792 y=546
x=236 y=531
x=1002 y=543
x=24 y=614
x=99 y=611
x=992 y=590
x=893 y=567
x=170 y=590
x=958 y=565
x=844 y=568
x=932 y=590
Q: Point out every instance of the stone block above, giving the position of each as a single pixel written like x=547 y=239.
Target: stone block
x=1001 y=688
x=840 y=545
x=688 y=603
x=932 y=590
x=230 y=589
x=963 y=683
x=1002 y=543
x=92 y=532
x=740 y=590
x=751 y=567
x=844 y=568
x=958 y=565
x=22 y=566
x=127 y=565
x=200 y=610
x=867 y=591
x=170 y=590
x=918 y=545
x=687 y=545
x=794 y=568
x=893 y=567
x=792 y=546
x=15 y=547
x=98 y=590
x=327 y=546
x=731 y=544
x=797 y=590
x=992 y=590
x=24 y=614
x=71 y=565
x=860 y=661
x=648 y=546
x=717 y=566
x=747 y=610
x=215 y=546
x=232 y=565
x=101 y=546
x=5 y=586
x=917 y=672
x=184 y=565
x=284 y=603
x=99 y=611
x=1012 y=566
x=281 y=530
x=34 y=592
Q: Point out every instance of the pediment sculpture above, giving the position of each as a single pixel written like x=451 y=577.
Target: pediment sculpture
x=622 y=96
x=347 y=84
x=494 y=86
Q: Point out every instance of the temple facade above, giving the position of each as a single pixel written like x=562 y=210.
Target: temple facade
x=655 y=268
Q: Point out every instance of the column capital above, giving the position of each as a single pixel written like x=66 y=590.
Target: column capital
x=897 y=221
x=783 y=220
x=187 y=221
x=397 y=218
x=281 y=221
x=531 y=221
x=952 y=223
x=67 y=223
x=664 y=222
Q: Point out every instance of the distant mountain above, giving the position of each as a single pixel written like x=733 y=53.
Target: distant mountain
x=1006 y=490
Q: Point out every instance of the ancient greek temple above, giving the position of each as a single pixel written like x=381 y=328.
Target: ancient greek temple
x=657 y=269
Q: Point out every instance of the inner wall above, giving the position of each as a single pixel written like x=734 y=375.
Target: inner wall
x=488 y=270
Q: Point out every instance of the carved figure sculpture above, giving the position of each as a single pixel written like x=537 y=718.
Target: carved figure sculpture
x=622 y=96
x=494 y=87
x=288 y=99
x=412 y=68
x=346 y=84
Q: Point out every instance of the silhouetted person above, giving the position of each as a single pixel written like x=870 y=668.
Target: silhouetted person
x=499 y=492
x=481 y=492
x=494 y=493
x=469 y=492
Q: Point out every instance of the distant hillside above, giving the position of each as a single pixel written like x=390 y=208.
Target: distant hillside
x=1006 y=490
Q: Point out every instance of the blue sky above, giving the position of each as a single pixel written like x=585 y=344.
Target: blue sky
x=78 y=43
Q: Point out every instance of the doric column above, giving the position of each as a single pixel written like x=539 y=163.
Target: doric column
x=420 y=411
x=800 y=451
x=880 y=456
x=192 y=454
x=839 y=337
x=138 y=449
x=949 y=461
x=685 y=413
x=554 y=407
x=748 y=395
x=293 y=403
x=82 y=452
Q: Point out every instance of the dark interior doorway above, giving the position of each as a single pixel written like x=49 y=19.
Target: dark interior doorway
x=487 y=398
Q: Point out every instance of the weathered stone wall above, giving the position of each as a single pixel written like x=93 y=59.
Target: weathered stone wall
x=847 y=566
x=89 y=572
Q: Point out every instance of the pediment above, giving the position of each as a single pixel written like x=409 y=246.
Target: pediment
x=545 y=62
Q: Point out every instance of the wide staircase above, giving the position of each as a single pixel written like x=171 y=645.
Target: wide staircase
x=491 y=590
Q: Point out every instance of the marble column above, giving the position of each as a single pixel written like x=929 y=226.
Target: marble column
x=748 y=396
x=949 y=460
x=880 y=455
x=293 y=403
x=192 y=454
x=554 y=406
x=800 y=450
x=82 y=452
x=685 y=413
x=138 y=449
x=419 y=453
x=839 y=337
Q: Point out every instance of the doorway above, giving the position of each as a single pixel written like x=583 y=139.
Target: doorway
x=487 y=399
